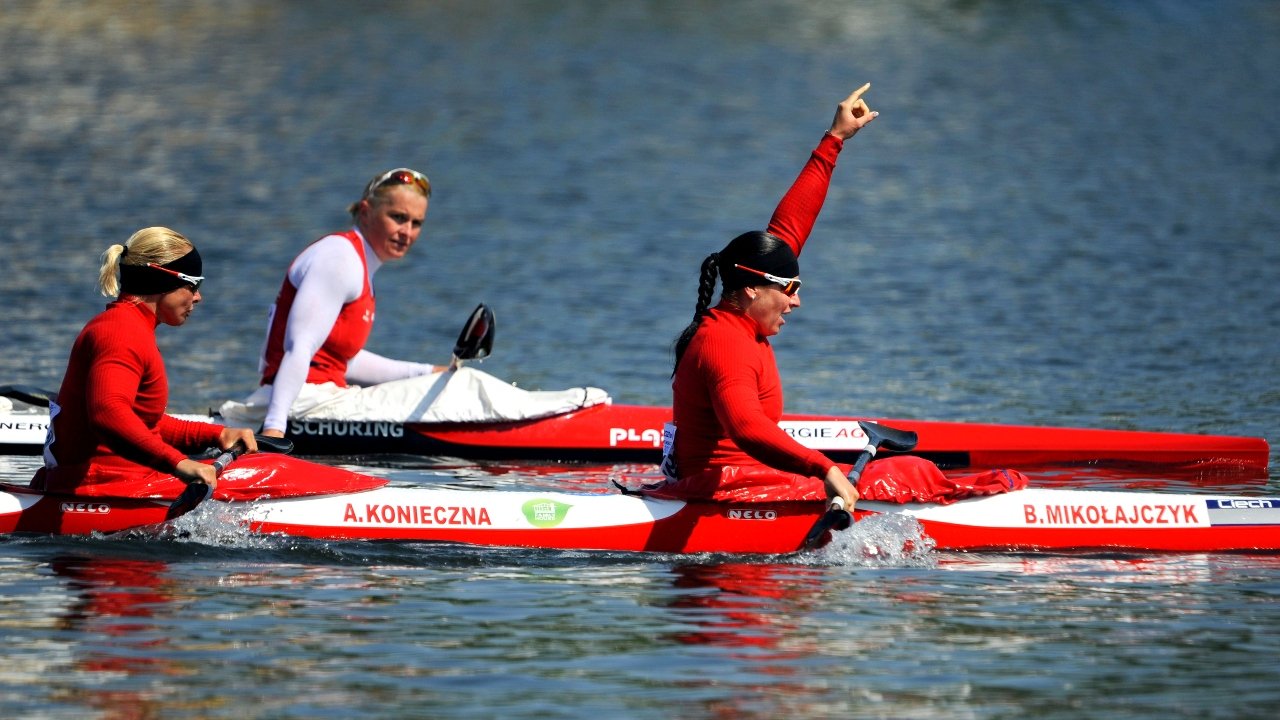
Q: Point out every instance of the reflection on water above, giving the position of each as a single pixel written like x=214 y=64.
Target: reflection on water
x=744 y=604
x=124 y=604
x=393 y=625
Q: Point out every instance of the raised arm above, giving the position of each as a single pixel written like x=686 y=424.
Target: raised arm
x=798 y=210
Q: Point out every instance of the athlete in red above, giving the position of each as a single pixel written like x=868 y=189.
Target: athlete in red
x=348 y=332
x=727 y=393
x=108 y=431
x=324 y=312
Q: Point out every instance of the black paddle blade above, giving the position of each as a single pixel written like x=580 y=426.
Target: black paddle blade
x=28 y=394
x=266 y=443
x=833 y=519
x=196 y=493
x=476 y=339
x=883 y=436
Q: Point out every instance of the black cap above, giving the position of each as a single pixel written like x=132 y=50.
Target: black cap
x=759 y=251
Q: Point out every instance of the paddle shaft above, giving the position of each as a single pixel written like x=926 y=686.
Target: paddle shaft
x=860 y=464
x=838 y=517
x=197 y=492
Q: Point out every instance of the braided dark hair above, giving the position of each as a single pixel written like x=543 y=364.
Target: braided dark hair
x=706 y=291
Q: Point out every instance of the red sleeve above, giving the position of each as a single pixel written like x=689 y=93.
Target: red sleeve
x=735 y=398
x=798 y=210
x=188 y=433
x=111 y=389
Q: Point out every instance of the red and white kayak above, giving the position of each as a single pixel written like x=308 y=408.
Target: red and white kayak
x=1030 y=519
x=1022 y=520
x=633 y=433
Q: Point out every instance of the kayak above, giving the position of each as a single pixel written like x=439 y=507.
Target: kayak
x=633 y=433
x=605 y=432
x=613 y=433
x=1033 y=519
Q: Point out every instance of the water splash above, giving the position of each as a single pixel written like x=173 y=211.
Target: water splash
x=222 y=525
x=881 y=541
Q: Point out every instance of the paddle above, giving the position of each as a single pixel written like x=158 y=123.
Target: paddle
x=27 y=394
x=198 y=492
x=837 y=517
x=475 y=342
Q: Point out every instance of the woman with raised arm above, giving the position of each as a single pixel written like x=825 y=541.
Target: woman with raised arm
x=727 y=393
x=108 y=432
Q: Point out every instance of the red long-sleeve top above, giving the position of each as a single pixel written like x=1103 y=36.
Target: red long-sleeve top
x=109 y=419
x=727 y=393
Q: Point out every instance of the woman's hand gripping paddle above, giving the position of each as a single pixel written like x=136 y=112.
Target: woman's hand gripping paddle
x=198 y=492
x=837 y=517
x=475 y=342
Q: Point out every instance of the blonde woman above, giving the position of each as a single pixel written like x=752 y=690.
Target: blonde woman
x=324 y=312
x=108 y=431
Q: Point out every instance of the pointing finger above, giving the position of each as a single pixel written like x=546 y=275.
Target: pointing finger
x=857 y=94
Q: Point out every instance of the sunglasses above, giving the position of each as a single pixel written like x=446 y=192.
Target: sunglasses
x=399 y=176
x=790 y=286
x=193 y=280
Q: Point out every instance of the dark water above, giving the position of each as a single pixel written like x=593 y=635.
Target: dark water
x=1064 y=215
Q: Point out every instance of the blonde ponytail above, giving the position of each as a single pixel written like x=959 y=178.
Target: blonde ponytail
x=157 y=245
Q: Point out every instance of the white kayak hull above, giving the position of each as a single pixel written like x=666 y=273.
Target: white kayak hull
x=1024 y=520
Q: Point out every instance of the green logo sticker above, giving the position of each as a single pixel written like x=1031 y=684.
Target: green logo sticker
x=545 y=513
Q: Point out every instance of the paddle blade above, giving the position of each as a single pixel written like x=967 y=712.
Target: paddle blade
x=266 y=443
x=476 y=339
x=196 y=493
x=883 y=436
x=28 y=394
x=832 y=519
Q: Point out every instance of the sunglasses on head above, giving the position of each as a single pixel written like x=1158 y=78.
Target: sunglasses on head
x=192 y=280
x=399 y=176
x=790 y=286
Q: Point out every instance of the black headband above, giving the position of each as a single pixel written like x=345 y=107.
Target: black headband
x=779 y=261
x=146 y=280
